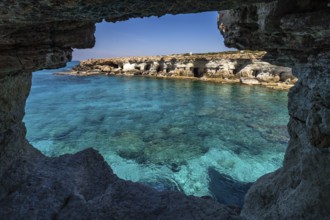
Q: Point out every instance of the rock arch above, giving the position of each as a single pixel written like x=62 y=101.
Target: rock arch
x=41 y=34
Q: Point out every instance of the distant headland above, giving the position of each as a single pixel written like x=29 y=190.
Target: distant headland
x=244 y=67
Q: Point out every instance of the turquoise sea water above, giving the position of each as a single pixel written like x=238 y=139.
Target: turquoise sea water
x=171 y=134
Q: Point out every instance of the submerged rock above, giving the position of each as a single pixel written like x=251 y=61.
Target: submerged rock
x=226 y=190
x=162 y=184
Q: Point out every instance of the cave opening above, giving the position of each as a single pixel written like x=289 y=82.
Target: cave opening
x=160 y=68
x=255 y=73
x=114 y=65
x=147 y=67
x=128 y=132
x=197 y=72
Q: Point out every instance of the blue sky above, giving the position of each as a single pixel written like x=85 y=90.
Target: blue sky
x=169 y=34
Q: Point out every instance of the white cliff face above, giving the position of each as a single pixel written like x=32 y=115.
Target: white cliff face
x=264 y=72
x=242 y=67
x=128 y=67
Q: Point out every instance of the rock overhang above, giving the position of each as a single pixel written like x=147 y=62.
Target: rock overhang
x=31 y=31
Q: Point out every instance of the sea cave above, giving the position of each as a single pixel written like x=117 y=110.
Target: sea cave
x=42 y=34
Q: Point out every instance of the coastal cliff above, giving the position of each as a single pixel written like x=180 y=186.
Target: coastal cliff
x=227 y=67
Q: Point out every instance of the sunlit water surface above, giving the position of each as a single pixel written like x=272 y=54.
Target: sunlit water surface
x=197 y=137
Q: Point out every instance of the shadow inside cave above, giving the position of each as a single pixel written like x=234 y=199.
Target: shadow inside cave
x=199 y=68
x=226 y=190
x=242 y=65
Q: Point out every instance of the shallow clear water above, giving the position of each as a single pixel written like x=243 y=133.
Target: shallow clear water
x=170 y=134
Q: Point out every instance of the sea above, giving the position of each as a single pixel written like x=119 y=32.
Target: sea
x=200 y=138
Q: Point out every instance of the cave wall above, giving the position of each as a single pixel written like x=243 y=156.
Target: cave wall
x=42 y=33
x=296 y=34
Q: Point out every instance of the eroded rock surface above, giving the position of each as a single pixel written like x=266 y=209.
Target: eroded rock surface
x=290 y=31
x=14 y=90
x=82 y=186
x=301 y=188
x=227 y=67
x=296 y=33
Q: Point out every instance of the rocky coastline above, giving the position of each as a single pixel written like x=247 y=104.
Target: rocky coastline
x=245 y=67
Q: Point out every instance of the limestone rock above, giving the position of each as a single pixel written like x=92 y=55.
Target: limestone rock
x=231 y=65
x=289 y=31
x=249 y=81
